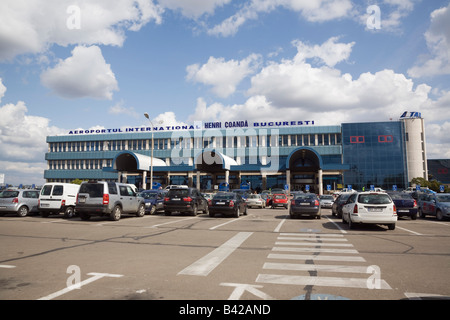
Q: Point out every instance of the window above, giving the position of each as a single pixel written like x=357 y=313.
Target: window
x=357 y=139
x=386 y=139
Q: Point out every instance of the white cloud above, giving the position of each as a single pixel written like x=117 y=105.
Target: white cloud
x=119 y=109
x=32 y=26
x=84 y=74
x=330 y=52
x=223 y=76
x=313 y=10
x=438 y=41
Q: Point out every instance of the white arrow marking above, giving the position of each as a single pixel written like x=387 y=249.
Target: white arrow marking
x=241 y=288
x=96 y=276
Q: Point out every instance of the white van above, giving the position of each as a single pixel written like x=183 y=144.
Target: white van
x=58 y=198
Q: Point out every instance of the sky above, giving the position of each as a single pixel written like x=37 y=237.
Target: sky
x=89 y=64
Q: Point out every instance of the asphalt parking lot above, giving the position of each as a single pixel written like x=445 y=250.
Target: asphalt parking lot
x=262 y=256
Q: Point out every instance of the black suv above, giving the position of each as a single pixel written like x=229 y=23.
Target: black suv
x=188 y=200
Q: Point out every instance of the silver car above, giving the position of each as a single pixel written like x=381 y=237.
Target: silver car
x=255 y=200
x=326 y=201
x=21 y=202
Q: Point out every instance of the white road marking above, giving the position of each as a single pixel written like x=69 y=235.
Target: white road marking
x=313 y=257
x=315 y=267
x=318 y=281
x=340 y=229
x=95 y=276
x=241 y=288
x=277 y=229
x=220 y=225
x=311 y=239
x=289 y=243
x=312 y=235
x=208 y=263
x=413 y=232
x=5 y=266
x=173 y=221
x=421 y=296
x=326 y=250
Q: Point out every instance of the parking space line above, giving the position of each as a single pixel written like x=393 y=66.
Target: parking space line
x=5 y=266
x=277 y=229
x=208 y=263
x=315 y=267
x=315 y=257
x=413 y=232
x=340 y=229
x=165 y=223
x=218 y=226
x=290 y=243
x=326 y=250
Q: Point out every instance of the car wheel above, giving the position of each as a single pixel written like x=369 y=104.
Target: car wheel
x=69 y=213
x=439 y=215
x=153 y=210
x=44 y=214
x=237 y=213
x=414 y=216
x=23 y=211
x=167 y=213
x=116 y=213
x=141 y=210
x=391 y=226
x=351 y=225
x=194 y=210
x=206 y=211
x=421 y=214
x=245 y=211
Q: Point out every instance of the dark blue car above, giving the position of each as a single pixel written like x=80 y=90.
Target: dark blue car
x=154 y=200
x=405 y=204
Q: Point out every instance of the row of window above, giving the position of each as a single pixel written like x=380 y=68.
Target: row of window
x=92 y=164
x=201 y=142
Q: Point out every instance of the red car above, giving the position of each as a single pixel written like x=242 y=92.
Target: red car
x=279 y=200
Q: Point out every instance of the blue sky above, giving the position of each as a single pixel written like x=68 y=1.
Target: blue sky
x=69 y=64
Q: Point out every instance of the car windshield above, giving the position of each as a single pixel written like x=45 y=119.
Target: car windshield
x=254 y=196
x=280 y=196
x=326 y=197
x=374 y=198
x=223 y=196
x=148 y=195
x=443 y=197
x=9 y=194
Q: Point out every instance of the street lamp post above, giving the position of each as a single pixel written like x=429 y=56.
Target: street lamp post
x=151 y=159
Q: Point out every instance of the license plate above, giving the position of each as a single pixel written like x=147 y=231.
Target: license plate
x=176 y=199
x=2 y=207
x=222 y=203
x=43 y=205
x=304 y=204
x=375 y=210
x=403 y=210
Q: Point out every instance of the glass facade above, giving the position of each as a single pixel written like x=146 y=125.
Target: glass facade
x=375 y=153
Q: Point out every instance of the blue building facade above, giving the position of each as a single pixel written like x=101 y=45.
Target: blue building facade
x=290 y=155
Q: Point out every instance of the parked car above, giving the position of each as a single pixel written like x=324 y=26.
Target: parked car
x=406 y=205
x=267 y=197
x=154 y=200
x=305 y=204
x=228 y=203
x=56 y=198
x=255 y=200
x=21 y=202
x=336 y=208
x=371 y=208
x=112 y=199
x=182 y=200
x=326 y=201
x=279 y=200
x=436 y=205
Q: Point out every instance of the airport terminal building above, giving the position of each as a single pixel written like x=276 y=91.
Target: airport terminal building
x=293 y=155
